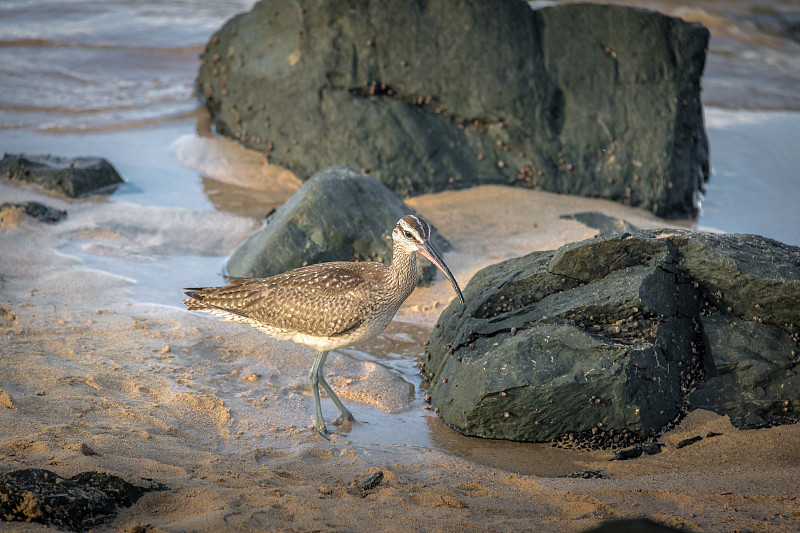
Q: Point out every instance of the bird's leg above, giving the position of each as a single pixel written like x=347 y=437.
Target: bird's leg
x=314 y=377
x=344 y=415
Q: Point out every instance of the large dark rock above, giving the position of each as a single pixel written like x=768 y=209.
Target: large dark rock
x=337 y=215
x=83 y=501
x=584 y=99
x=610 y=341
x=73 y=177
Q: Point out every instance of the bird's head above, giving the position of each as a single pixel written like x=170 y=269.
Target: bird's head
x=413 y=234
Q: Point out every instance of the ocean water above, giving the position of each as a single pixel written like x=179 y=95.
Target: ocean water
x=78 y=65
x=72 y=70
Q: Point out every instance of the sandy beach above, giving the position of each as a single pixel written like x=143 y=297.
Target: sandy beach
x=102 y=368
x=95 y=378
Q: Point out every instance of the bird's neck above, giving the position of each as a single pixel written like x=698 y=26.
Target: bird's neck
x=404 y=271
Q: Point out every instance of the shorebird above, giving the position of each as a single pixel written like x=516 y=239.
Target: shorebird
x=327 y=305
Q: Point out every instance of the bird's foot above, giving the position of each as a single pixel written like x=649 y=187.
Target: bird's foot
x=345 y=417
x=322 y=430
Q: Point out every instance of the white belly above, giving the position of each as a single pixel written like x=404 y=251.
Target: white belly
x=368 y=330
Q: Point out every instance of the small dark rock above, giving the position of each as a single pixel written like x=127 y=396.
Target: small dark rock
x=633 y=525
x=362 y=488
x=73 y=177
x=627 y=453
x=87 y=450
x=39 y=211
x=651 y=448
x=77 y=503
x=373 y=481
x=586 y=474
x=688 y=442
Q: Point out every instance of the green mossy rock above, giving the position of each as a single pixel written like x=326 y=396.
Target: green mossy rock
x=337 y=215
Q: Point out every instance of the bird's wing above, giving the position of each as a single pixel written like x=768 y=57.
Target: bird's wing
x=328 y=300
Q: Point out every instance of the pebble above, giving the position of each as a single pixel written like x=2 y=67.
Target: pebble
x=587 y=474
x=689 y=441
x=627 y=453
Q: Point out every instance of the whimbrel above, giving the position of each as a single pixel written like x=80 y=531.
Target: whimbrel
x=327 y=305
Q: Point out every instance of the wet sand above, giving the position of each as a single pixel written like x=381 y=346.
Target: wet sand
x=103 y=370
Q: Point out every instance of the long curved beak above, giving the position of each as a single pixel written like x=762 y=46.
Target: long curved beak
x=433 y=256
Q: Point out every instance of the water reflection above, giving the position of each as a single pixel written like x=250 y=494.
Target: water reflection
x=517 y=457
x=238 y=200
x=400 y=348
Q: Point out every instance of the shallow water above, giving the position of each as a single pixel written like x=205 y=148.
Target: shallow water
x=141 y=155
x=399 y=348
x=755 y=186
x=115 y=79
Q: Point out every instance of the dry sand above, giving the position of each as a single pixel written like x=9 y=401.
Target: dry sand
x=96 y=376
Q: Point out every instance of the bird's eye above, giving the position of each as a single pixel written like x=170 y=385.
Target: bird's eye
x=408 y=235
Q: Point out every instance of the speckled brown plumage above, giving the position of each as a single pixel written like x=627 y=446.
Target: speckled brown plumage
x=327 y=305
x=328 y=301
